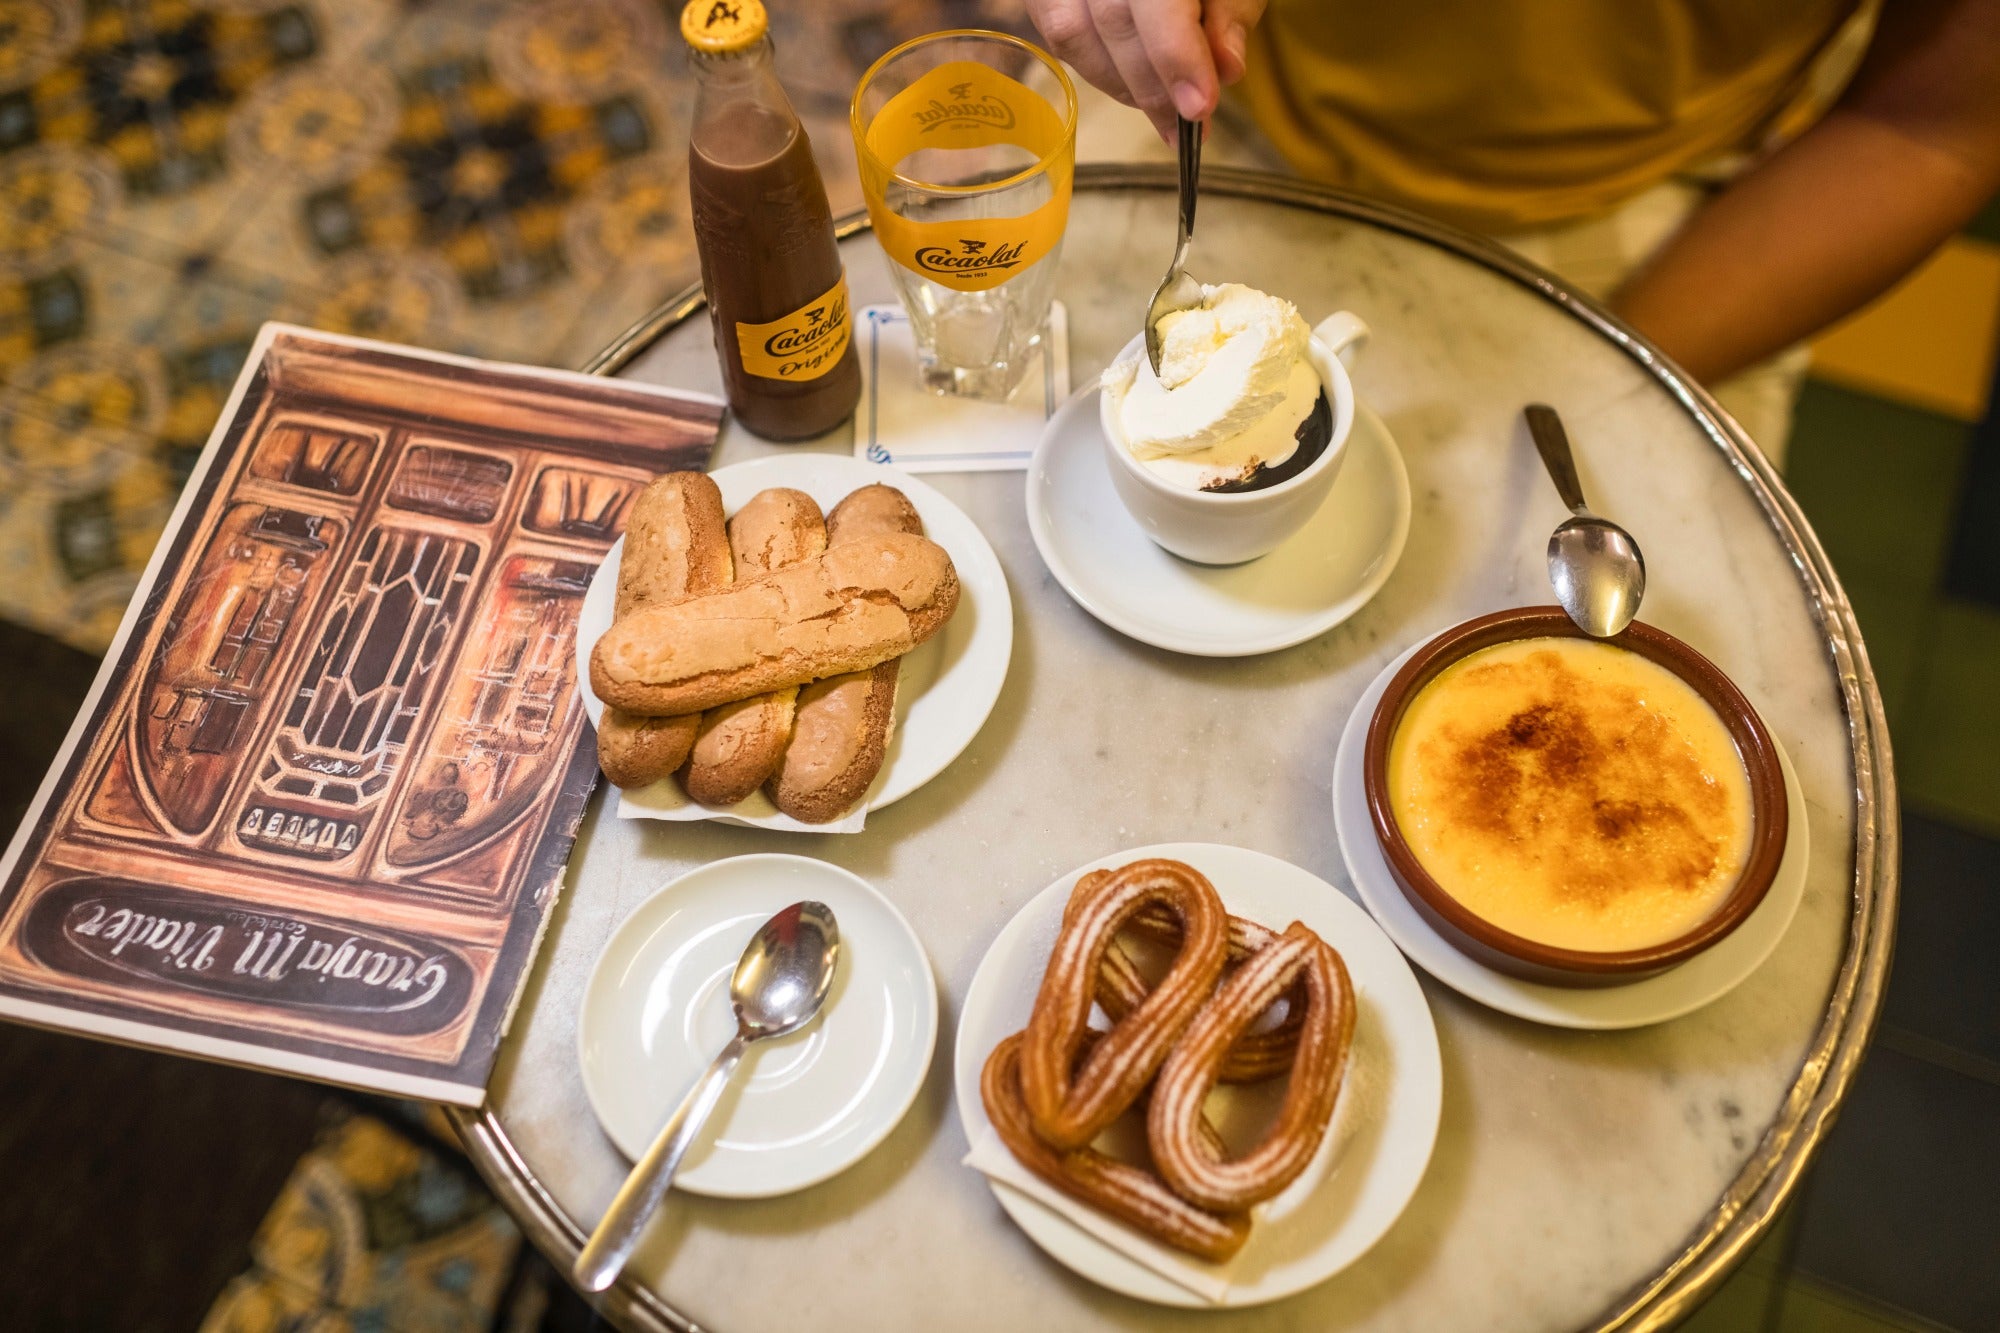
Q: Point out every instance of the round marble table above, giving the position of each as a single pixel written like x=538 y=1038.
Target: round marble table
x=1580 y=1180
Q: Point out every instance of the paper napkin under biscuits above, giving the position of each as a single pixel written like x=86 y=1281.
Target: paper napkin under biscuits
x=666 y=800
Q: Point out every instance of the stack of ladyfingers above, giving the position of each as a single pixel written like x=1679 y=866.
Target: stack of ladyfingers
x=763 y=652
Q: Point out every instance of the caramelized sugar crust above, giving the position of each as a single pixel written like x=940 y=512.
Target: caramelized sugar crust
x=1573 y=793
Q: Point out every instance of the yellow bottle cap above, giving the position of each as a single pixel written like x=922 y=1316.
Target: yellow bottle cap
x=721 y=26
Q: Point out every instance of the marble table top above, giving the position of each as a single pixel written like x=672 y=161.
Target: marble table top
x=1580 y=1179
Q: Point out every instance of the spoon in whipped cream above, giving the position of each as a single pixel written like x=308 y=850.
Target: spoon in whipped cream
x=1235 y=403
x=1178 y=290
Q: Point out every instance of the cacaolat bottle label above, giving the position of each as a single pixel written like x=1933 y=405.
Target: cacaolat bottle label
x=802 y=345
x=967 y=105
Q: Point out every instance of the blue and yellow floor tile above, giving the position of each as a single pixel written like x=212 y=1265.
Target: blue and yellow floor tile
x=373 y=1232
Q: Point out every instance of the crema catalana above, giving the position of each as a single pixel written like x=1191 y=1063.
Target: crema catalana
x=1573 y=793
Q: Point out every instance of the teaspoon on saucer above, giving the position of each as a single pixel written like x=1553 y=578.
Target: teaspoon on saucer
x=779 y=985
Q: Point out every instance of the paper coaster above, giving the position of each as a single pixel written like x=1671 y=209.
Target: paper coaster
x=903 y=424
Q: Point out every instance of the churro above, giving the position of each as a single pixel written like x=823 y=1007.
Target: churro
x=1215 y=1016
x=1182 y=1154
x=1070 y=1102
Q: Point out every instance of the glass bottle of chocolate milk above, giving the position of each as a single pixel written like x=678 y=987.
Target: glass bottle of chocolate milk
x=776 y=290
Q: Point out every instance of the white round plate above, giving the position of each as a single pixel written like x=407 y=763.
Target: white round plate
x=1318 y=578
x=1384 y=1124
x=802 y=1107
x=1707 y=976
x=947 y=687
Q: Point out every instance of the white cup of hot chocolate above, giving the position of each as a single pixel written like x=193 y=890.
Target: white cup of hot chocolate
x=1258 y=510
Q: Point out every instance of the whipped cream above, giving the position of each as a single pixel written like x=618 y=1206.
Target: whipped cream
x=1233 y=386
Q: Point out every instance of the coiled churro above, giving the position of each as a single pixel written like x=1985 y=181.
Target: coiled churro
x=1053 y=1087
x=1182 y=1154
x=1132 y=1195
x=1261 y=1052
x=1070 y=1103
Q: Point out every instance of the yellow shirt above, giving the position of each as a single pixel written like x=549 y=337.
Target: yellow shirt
x=1499 y=114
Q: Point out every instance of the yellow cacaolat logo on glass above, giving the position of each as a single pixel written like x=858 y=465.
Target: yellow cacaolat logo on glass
x=965 y=104
x=803 y=345
x=721 y=26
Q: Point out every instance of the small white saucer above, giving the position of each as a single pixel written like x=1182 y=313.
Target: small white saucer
x=1384 y=1126
x=1706 y=977
x=947 y=687
x=1317 y=579
x=803 y=1107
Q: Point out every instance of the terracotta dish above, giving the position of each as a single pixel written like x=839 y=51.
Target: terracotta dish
x=1531 y=959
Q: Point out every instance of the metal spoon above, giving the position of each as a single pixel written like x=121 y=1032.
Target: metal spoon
x=779 y=984
x=1178 y=290
x=1598 y=572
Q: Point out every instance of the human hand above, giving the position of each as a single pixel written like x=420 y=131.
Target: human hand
x=1167 y=57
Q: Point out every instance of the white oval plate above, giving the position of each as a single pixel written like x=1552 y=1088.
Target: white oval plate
x=1392 y=1095
x=947 y=687
x=1316 y=579
x=1706 y=977
x=803 y=1107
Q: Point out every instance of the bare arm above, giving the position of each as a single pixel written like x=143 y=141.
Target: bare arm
x=1836 y=217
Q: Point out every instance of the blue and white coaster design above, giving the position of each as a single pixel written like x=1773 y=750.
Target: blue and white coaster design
x=904 y=425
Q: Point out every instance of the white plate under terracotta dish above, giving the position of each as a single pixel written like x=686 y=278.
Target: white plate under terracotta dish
x=1319 y=577
x=1394 y=1088
x=803 y=1107
x=1706 y=977
x=946 y=688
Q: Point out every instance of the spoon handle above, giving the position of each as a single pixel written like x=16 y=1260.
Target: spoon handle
x=609 y=1246
x=1552 y=442
x=1190 y=156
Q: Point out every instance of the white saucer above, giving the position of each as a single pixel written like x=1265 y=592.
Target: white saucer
x=1706 y=977
x=946 y=688
x=803 y=1107
x=1317 y=579
x=1393 y=1091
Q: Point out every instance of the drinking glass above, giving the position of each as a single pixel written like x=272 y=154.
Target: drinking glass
x=967 y=145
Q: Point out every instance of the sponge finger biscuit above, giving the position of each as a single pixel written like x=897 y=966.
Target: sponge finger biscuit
x=676 y=547
x=859 y=604
x=843 y=724
x=739 y=745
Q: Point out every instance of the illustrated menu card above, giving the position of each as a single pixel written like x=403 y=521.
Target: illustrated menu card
x=315 y=813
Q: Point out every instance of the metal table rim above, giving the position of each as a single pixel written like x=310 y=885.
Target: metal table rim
x=1768 y=1178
